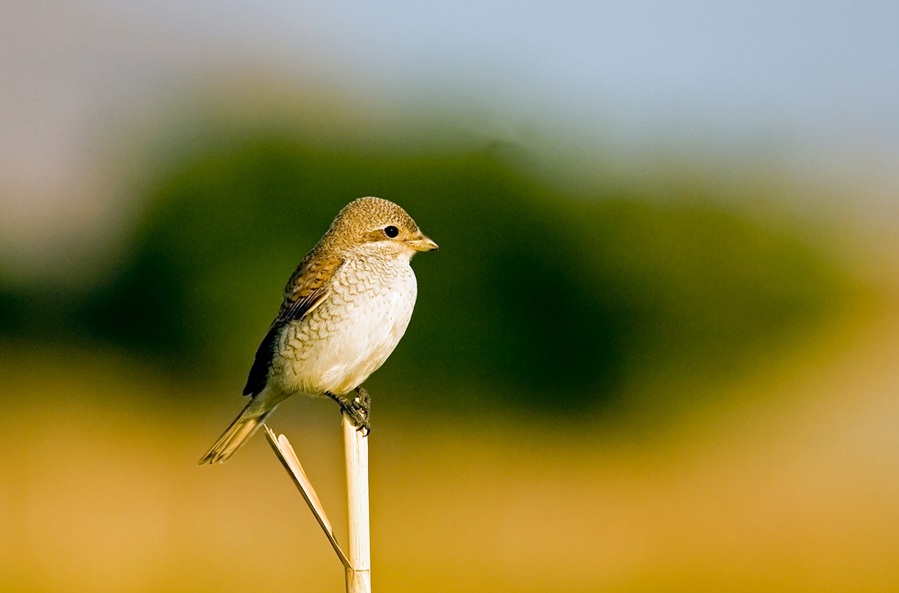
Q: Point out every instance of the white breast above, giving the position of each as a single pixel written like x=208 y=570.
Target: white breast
x=350 y=335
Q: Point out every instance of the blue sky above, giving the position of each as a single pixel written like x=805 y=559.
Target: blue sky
x=811 y=72
x=816 y=83
x=821 y=68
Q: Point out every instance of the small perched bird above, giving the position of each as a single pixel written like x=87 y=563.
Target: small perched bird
x=345 y=309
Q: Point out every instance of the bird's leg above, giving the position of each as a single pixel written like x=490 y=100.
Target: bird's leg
x=360 y=411
x=357 y=408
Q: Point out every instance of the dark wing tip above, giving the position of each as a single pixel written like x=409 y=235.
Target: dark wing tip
x=258 y=376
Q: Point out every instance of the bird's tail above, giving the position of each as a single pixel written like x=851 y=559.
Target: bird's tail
x=236 y=435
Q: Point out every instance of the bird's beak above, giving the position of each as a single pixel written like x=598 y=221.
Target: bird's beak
x=422 y=243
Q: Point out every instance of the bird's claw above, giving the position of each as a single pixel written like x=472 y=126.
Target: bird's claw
x=358 y=413
x=357 y=409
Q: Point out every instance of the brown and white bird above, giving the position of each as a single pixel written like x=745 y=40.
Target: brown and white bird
x=345 y=309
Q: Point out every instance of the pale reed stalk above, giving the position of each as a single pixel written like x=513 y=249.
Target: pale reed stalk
x=357 y=563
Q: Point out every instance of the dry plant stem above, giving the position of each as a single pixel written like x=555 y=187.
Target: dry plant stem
x=291 y=463
x=358 y=572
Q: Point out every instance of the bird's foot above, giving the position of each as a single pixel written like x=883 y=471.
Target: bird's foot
x=357 y=408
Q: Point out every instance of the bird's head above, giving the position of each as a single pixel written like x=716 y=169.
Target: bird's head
x=376 y=225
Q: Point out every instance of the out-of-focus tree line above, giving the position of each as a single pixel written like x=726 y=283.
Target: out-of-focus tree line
x=546 y=299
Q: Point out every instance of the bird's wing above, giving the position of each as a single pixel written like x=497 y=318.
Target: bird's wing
x=307 y=289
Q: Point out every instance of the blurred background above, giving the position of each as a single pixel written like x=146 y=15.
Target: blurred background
x=657 y=350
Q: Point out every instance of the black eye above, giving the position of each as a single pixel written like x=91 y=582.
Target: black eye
x=391 y=231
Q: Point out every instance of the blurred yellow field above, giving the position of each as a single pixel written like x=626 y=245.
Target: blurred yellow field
x=791 y=490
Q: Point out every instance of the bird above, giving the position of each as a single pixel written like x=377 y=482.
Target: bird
x=344 y=310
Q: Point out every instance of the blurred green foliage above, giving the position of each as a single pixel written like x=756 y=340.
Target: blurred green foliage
x=553 y=302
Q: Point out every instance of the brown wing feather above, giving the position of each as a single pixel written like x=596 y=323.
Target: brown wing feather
x=306 y=290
